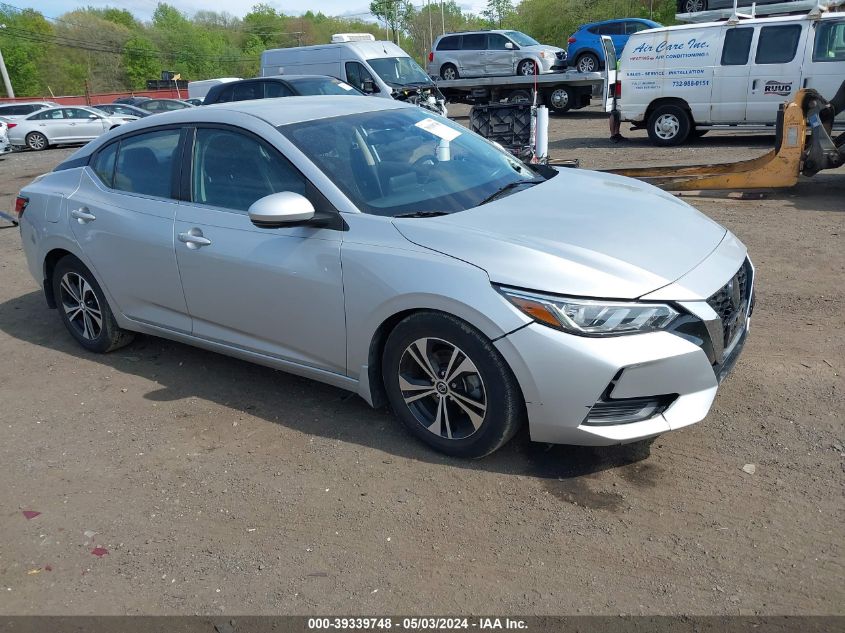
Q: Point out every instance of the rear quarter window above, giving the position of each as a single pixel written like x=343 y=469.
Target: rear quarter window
x=450 y=43
x=103 y=164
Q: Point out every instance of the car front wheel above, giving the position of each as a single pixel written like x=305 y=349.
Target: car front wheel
x=669 y=125
x=84 y=309
x=449 y=385
x=527 y=68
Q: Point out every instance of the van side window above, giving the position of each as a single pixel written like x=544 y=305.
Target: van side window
x=830 y=42
x=777 y=44
x=496 y=42
x=450 y=43
x=356 y=74
x=737 y=46
x=474 y=42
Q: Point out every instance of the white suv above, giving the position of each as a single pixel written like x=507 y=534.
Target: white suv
x=21 y=109
x=492 y=53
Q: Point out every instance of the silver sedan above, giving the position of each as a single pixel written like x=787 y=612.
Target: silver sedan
x=57 y=126
x=385 y=250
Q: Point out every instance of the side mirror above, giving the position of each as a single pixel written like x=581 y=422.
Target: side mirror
x=368 y=86
x=509 y=46
x=93 y=116
x=280 y=209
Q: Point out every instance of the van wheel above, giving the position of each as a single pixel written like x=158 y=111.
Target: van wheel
x=560 y=99
x=448 y=72
x=669 y=125
x=587 y=63
x=526 y=68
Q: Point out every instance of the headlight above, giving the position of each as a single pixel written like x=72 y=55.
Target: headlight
x=588 y=317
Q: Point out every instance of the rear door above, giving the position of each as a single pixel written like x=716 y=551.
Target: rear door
x=499 y=59
x=731 y=76
x=472 y=55
x=824 y=66
x=775 y=74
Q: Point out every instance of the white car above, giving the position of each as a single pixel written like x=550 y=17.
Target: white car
x=56 y=126
x=4 y=137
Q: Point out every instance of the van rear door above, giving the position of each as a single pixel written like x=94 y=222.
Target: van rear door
x=776 y=69
x=610 y=72
x=824 y=66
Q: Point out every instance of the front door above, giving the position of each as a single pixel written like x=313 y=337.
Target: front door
x=278 y=292
x=122 y=216
x=776 y=71
x=84 y=127
x=824 y=68
x=499 y=59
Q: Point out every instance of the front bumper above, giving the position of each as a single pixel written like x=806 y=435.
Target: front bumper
x=564 y=376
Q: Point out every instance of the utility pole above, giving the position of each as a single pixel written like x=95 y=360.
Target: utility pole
x=6 y=81
x=430 y=27
x=442 y=18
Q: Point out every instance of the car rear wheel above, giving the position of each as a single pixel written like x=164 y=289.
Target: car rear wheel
x=36 y=141
x=669 y=125
x=448 y=72
x=587 y=63
x=449 y=385
x=560 y=99
x=526 y=68
x=84 y=309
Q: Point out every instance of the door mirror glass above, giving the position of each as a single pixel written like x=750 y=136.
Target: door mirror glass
x=368 y=86
x=279 y=209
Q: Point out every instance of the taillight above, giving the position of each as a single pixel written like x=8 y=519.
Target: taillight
x=571 y=40
x=431 y=56
x=20 y=205
x=618 y=89
x=11 y=125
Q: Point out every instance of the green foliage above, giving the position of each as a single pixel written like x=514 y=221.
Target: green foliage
x=25 y=56
x=498 y=13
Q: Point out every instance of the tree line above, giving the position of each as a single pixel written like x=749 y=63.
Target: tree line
x=109 y=49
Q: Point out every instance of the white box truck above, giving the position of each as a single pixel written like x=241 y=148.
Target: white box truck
x=684 y=80
x=381 y=69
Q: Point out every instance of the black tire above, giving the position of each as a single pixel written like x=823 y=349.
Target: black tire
x=587 y=63
x=449 y=72
x=692 y=6
x=100 y=338
x=560 y=99
x=481 y=376
x=699 y=133
x=526 y=68
x=36 y=141
x=519 y=96
x=669 y=125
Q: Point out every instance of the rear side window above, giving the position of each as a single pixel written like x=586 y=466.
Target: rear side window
x=635 y=27
x=450 y=43
x=145 y=163
x=103 y=164
x=232 y=170
x=778 y=44
x=274 y=89
x=58 y=113
x=617 y=28
x=830 y=42
x=474 y=42
x=737 y=47
x=248 y=91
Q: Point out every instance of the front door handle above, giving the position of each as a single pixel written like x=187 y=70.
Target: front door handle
x=83 y=216
x=193 y=239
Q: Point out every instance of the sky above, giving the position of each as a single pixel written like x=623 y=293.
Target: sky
x=144 y=8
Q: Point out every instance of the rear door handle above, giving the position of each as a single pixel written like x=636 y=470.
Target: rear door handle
x=83 y=216
x=193 y=239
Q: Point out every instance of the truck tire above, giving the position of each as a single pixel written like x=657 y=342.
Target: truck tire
x=519 y=96
x=669 y=125
x=448 y=72
x=560 y=99
x=587 y=63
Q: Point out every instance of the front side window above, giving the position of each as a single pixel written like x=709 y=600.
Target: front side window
x=395 y=162
x=399 y=71
x=778 y=44
x=145 y=163
x=76 y=113
x=232 y=170
x=521 y=38
x=737 y=47
x=496 y=42
x=357 y=74
x=103 y=164
x=830 y=42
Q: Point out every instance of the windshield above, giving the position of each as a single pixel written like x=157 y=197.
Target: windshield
x=399 y=71
x=396 y=162
x=522 y=39
x=322 y=86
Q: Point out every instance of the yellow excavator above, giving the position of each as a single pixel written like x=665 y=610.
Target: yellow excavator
x=796 y=152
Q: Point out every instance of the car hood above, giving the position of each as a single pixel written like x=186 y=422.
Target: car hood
x=580 y=233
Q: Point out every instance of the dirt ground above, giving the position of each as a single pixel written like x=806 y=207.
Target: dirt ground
x=216 y=486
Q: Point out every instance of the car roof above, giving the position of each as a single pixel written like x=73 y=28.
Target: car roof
x=20 y=103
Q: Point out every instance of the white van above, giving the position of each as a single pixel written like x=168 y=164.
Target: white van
x=381 y=69
x=684 y=80
x=198 y=89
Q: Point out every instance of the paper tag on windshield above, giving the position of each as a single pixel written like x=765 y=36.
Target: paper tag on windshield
x=438 y=129
x=344 y=86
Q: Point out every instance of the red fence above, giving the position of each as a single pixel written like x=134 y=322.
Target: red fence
x=102 y=97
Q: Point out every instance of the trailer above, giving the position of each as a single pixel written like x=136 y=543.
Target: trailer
x=561 y=91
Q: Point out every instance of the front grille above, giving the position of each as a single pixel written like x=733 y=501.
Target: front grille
x=730 y=302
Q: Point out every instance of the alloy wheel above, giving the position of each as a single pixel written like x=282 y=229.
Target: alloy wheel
x=81 y=306
x=667 y=127
x=449 y=73
x=442 y=388
x=36 y=141
x=693 y=6
x=586 y=64
x=526 y=68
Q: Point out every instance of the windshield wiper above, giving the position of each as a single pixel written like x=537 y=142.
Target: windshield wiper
x=509 y=186
x=421 y=214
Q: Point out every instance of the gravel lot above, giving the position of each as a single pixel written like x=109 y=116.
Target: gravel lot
x=218 y=487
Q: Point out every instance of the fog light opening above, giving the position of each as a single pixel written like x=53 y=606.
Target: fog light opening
x=608 y=411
